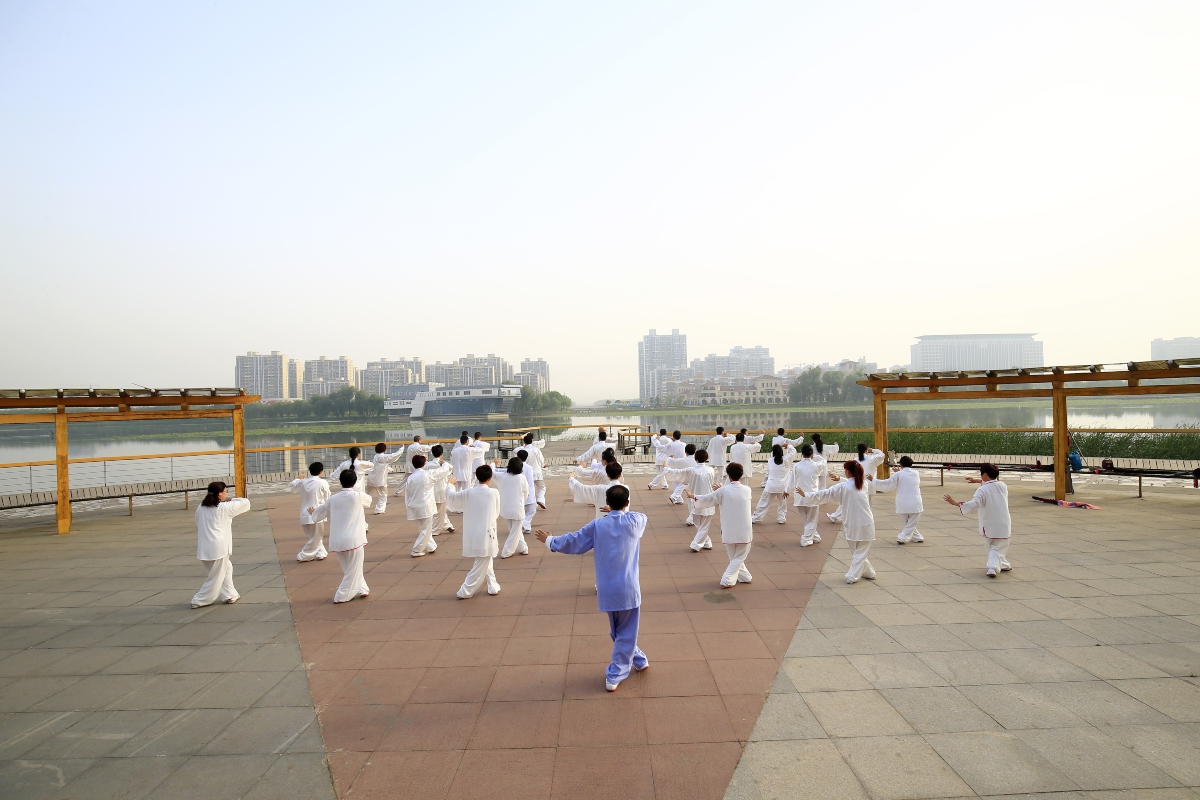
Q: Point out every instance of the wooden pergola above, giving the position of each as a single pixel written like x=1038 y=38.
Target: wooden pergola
x=1181 y=376
x=65 y=406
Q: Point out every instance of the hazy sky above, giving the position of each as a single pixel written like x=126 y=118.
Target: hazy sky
x=181 y=182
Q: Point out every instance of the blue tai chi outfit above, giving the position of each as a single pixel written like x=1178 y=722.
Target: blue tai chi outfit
x=616 y=540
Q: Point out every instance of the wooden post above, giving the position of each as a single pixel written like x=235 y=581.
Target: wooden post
x=62 y=471
x=881 y=432
x=239 y=449
x=1061 y=465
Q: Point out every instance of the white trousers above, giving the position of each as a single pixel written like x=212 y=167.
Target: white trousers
x=702 y=542
x=481 y=571
x=997 y=550
x=910 y=533
x=424 y=543
x=859 y=566
x=442 y=518
x=380 y=495
x=530 y=510
x=400 y=483
x=691 y=517
x=737 y=572
x=219 y=583
x=539 y=488
x=808 y=516
x=515 y=543
x=660 y=477
x=353 y=583
x=677 y=493
x=314 y=548
x=764 y=505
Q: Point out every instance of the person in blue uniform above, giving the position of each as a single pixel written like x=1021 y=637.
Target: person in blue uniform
x=616 y=540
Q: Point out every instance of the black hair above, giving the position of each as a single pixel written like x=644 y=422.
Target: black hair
x=602 y=436
x=528 y=438
x=515 y=466
x=856 y=471
x=817 y=443
x=521 y=454
x=689 y=449
x=720 y=430
x=608 y=456
x=742 y=431
x=464 y=438
x=662 y=431
x=483 y=473
x=381 y=448
x=355 y=452
x=734 y=470
x=316 y=468
x=806 y=450
x=348 y=478
x=701 y=456
x=676 y=435
x=478 y=435
x=741 y=437
x=436 y=451
x=213 y=498
x=905 y=461
x=467 y=434
x=862 y=451
x=613 y=470
x=418 y=462
x=416 y=438
x=991 y=470
x=780 y=431
x=617 y=497
x=777 y=453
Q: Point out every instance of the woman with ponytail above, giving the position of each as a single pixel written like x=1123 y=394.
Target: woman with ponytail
x=821 y=452
x=214 y=533
x=869 y=459
x=777 y=488
x=356 y=465
x=858 y=524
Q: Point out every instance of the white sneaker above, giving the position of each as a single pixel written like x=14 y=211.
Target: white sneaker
x=991 y=573
x=851 y=580
x=612 y=687
x=806 y=544
x=708 y=546
x=233 y=599
x=816 y=537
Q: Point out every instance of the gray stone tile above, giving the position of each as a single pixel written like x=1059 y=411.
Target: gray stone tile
x=1175 y=659
x=837 y=618
x=1101 y=704
x=989 y=636
x=997 y=762
x=270 y=657
x=208 y=777
x=1178 y=699
x=165 y=692
x=179 y=733
x=95 y=735
x=125 y=778
x=824 y=674
x=292 y=690
x=1035 y=665
x=857 y=713
x=786 y=716
x=213 y=658
x=19 y=694
x=261 y=730
x=939 y=710
x=91 y=693
x=1171 y=748
x=967 y=668
x=803 y=769
x=926 y=638
x=1019 y=706
x=900 y=768
x=1050 y=633
x=1095 y=761
x=854 y=641
x=1108 y=663
x=741 y=785
x=811 y=642
x=1113 y=631
x=20 y=733
x=295 y=777
x=35 y=780
x=895 y=670
x=234 y=690
x=149 y=660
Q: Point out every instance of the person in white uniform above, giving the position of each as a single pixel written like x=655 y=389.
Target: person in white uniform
x=530 y=499
x=347 y=535
x=780 y=438
x=214 y=544
x=737 y=531
x=742 y=453
x=995 y=522
x=479 y=506
x=537 y=462
x=778 y=487
x=461 y=458
x=514 y=494
x=869 y=459
x=481 y=448
x=718 y=447
x=907 y=483
x=858 y=523
x=421 y=504
x=414 y=449
x=822 y=452
x=355 y=463
x=675 y=464
x=593 y=452
x=441 y=479
x=594 y=472
x=313 y=491
x=593 y=494
x=805 y=479
x=377 y=478
x=662 y=451
x=698 y=479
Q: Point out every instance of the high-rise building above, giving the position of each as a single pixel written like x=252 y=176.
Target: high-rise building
x=503 y=371
x=532 y=380
x=265 y=375
x=1181 y=347
x=539 y=367
x=742 y=362
x=976 y=351
x=328 y=369
x=321 y=387
x=660 y=358
x=295 y=377
x=379 y=377
x=416 y=365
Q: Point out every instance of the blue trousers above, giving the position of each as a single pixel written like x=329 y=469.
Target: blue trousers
x=623 y=627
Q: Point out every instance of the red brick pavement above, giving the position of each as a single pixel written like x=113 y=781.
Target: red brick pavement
x=422 y=695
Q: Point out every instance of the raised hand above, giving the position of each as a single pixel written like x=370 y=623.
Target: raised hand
x=542 y=535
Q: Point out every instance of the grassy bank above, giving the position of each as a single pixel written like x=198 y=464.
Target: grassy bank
x=1093 y=445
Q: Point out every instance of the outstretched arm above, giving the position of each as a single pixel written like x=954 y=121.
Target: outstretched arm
x=577 y=543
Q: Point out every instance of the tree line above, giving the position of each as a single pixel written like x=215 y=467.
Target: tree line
x=531 y=402
x=345 y=403
x=832 y=386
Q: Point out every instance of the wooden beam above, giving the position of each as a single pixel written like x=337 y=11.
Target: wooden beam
x=881 y=431
x=132 y=402
x=1014 y=394
x=1192 y=373
x=62 y=510
x=19 y=419
x=1132 y=391
x=124 y=416
x=239 y=450
x=1061 y=465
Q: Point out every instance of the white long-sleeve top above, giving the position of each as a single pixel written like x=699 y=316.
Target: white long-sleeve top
x=441 y=478
x=481 y=448
x=416 y=449
x=527 y=471
x=870 y=463
x=592 y=473
x=779 y=477
x=592 y=494
x=685 y=462
x=214 y=528
x=831 y=450
x=735 y=499
x=419 y=494
x=313 y=491
x=514 y=493
x=594 y=452
x=479 y=506
x=535 y=459
x=991 y=501
x=661 y=446
x=462 y=457
x=361 y=467
x=347 y=522
x=717 y=449
x=741 y=452
x=784 y=441
x=858 y=523
x=806 y=475
x=907 y=483
x=379 y=467
x=699 y=480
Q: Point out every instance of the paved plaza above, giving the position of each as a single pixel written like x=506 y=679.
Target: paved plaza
x=1072 y=676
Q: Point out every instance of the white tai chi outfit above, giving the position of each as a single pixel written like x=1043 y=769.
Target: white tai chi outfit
x=461 y=458
x=411 y=451
x=858 y=524
x=479 y=506
x=360 y=467
x=674 y=465
x=822 y=460
x=742 y=453
x=995 y=523
x=214 y=547
x=737 y=531
x=420 y=499
x=530 y=499
x=481 y=449
x=699 y=480
x=662 y=451
x=870 y=463
x=313 y=491
x=514 y=494
x=377 y=478
x=594 y=494
x=806 y=475
x=441 y=478
x=536 y=462
x=718 y=447
x=779 y=486
x=907 y=483
x=591 y=474
x=594 y=452
x=347 y=538
x=784 y=441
